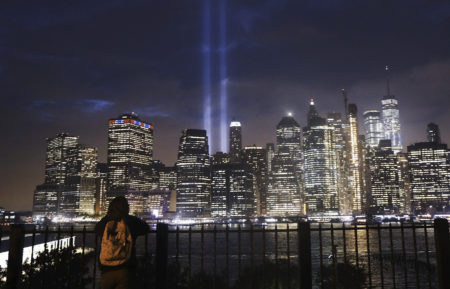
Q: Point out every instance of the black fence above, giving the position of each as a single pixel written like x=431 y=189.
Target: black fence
x=301 y=255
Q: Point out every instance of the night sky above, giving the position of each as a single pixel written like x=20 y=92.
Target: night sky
x=71 y=65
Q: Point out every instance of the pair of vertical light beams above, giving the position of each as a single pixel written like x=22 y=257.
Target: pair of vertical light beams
x=207 y=94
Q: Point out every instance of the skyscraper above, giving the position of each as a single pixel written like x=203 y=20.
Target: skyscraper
x=429 y=168
x=84 y=183
x=385 y=186
x=391 y=119
x=334 y=120
x=193 y=175
x=61 y=158
x=404 y=181
x=256 y=159
x=270 y=148
x=130 y=154
x=60 y=164
x=232 y=192
x=321 y=171
x=312 y=112
x=235 y=141
x=354 y=157
x=100 y=188
x=70 y=172
x=289 y=134
x=285 y=178
x=373 y=127
x=433 y=133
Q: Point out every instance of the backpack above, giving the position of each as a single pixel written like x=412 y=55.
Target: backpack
x=116 y=244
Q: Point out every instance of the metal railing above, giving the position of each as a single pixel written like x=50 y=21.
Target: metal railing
x=300 y=255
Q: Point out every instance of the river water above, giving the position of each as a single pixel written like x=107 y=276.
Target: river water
x=401 y=261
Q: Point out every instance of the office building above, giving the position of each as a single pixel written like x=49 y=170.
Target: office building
x=232 y=193
x=354 y=160
x=335 y=121
x=433 y=133
x=385 y=180
x=235 y=141
x=256 y=159
x=69 y=186
x=321 y=168
x=373 y=128
x=220 y=158
x=270 y=148
x=391 y=119
x=285 y=178
x=404 y=182
x=193 y=175
x=130 y=154
x=429 y=170
x=61 y=158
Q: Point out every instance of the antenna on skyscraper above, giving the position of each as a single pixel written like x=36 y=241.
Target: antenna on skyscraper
x=344 y=93
x=387 y=81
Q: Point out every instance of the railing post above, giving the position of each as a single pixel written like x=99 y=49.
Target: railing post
x=15 y=256
x=442 y=238
x=304 y=255
x=162 y=244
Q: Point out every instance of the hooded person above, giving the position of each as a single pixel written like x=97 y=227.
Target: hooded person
x=118 y=232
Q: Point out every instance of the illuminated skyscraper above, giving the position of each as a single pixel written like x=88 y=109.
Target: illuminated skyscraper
x=167 y=178
x=433 y=133
x=232 y=192
x=404 y=182
x=70 y=172
x=391 y=119
x=130 y=154
x=285 y=178
x=429 y=168
x=80 y=198
x=46 y=200
x=334 y=120
x=312 y=112
x=61 y=160
x=193 y=175
x=321 y=170
x=354 y=158
x=270 y=148
x=219 y=190
x=100 y=188
x=289 y=141
x=385 y=185
x=256 y=158
x=235 y=141
x=373 y=128
x=220 y=158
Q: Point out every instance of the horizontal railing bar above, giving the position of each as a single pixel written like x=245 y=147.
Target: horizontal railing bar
x=243 y=229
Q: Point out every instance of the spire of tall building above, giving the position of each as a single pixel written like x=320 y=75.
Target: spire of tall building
x=312 y=113
x=391 y=119
x=433 y=133
x=344 y=94
x=388 y=87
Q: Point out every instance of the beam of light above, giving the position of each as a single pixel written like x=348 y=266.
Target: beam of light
x=223 y=77
x=206 y=51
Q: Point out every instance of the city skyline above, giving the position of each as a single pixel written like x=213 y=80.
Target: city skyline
x=70 y=69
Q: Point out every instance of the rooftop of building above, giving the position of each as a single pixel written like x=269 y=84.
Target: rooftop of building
x=288 y=121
